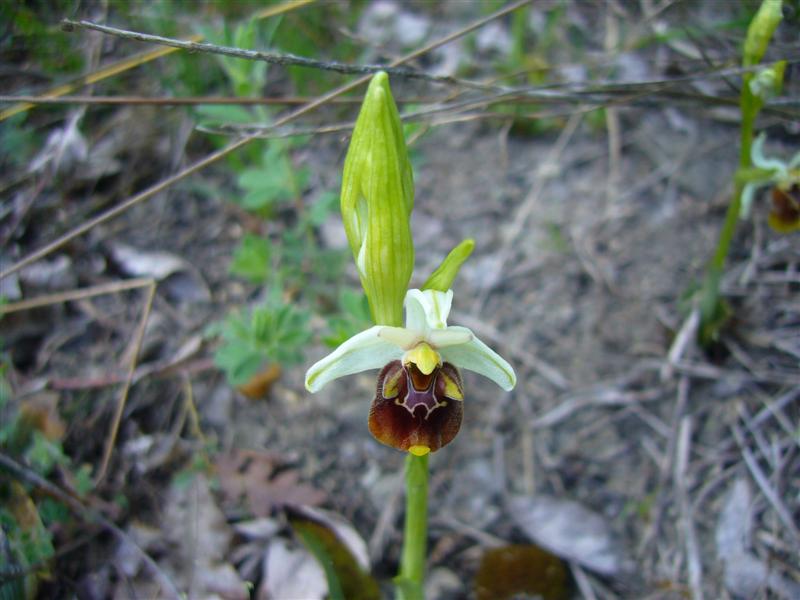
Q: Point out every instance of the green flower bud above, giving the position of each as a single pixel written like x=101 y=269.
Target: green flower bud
x=376 y=201
x=760 y=31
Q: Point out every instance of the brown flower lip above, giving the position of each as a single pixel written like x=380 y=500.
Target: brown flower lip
x=414 y=409
x=785 y=214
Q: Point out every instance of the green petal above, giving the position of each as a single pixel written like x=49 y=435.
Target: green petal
x=477 y=356
x=362 y=352
x=444 y=275
x=426 y=310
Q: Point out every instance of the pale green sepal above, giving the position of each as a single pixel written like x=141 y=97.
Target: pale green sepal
x=427 y=310
x=759 y=160
x=477 y=356
x=760 y=31
x=362 y=352
x=376 y=201
x=444 y=275
x=768 y=82
x=748 y=195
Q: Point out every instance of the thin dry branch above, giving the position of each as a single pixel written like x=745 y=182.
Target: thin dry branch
x=273 y=58
x=79 y=294
x=195 y=100
x=191 y=169
x=123 y=396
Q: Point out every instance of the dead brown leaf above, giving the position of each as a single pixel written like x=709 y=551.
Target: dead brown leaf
x=262 y=480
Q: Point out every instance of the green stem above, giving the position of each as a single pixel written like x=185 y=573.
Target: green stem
x=412 y=562
x=709 y=300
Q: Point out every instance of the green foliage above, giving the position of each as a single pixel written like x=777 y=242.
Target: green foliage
x=42 y=454
x=271 y=332
x=251 y=259
x=29 y=544
x=294 y=261
x=274 y=180
x=18 y=142
x=32 y=29
x=308 y=33
x=353 y=318
x=270 y=184
x=25 y=541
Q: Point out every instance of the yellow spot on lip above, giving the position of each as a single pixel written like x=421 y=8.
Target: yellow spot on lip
x=425 y=357
x=451 y=389
x=419 y=450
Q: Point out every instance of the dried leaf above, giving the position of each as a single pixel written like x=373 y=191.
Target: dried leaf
x=185 y=281
x=257 y=529
x=283 y=490
x=40 y=412
x=259 y=384
x=744 y=574
x=511 y=571
x=193 y=531
x=66 y=149
x=255 y=476
x=291 y=573
x=735 y=520
x=571 y=531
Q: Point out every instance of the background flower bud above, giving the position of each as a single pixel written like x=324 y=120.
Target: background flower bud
x=376 y=201
x=760 y=31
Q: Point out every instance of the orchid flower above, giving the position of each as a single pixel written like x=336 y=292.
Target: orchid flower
x=784 y=177
x=419 y=396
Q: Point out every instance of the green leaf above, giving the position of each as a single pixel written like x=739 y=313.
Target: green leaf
x=83 y=480
x=355 y=304
x=42 y=455
x=321 y=209
x=53 y=511
x=256 y=180
x=220 y=113
x=251 y=259
x=239 y=363
x=271 y=333
x=346 y=578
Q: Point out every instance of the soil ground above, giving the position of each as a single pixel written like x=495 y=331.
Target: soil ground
x=588 y=232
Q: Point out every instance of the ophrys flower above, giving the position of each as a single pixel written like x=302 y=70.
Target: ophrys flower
x=418 y=402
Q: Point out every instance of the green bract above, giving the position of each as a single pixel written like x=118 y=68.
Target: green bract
x=376 y=200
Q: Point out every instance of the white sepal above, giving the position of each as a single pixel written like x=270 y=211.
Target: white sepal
x=762 y=162
x=476 y=356
x=362 y=352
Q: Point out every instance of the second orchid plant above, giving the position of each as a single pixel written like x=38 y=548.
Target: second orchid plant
x=419 y=397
